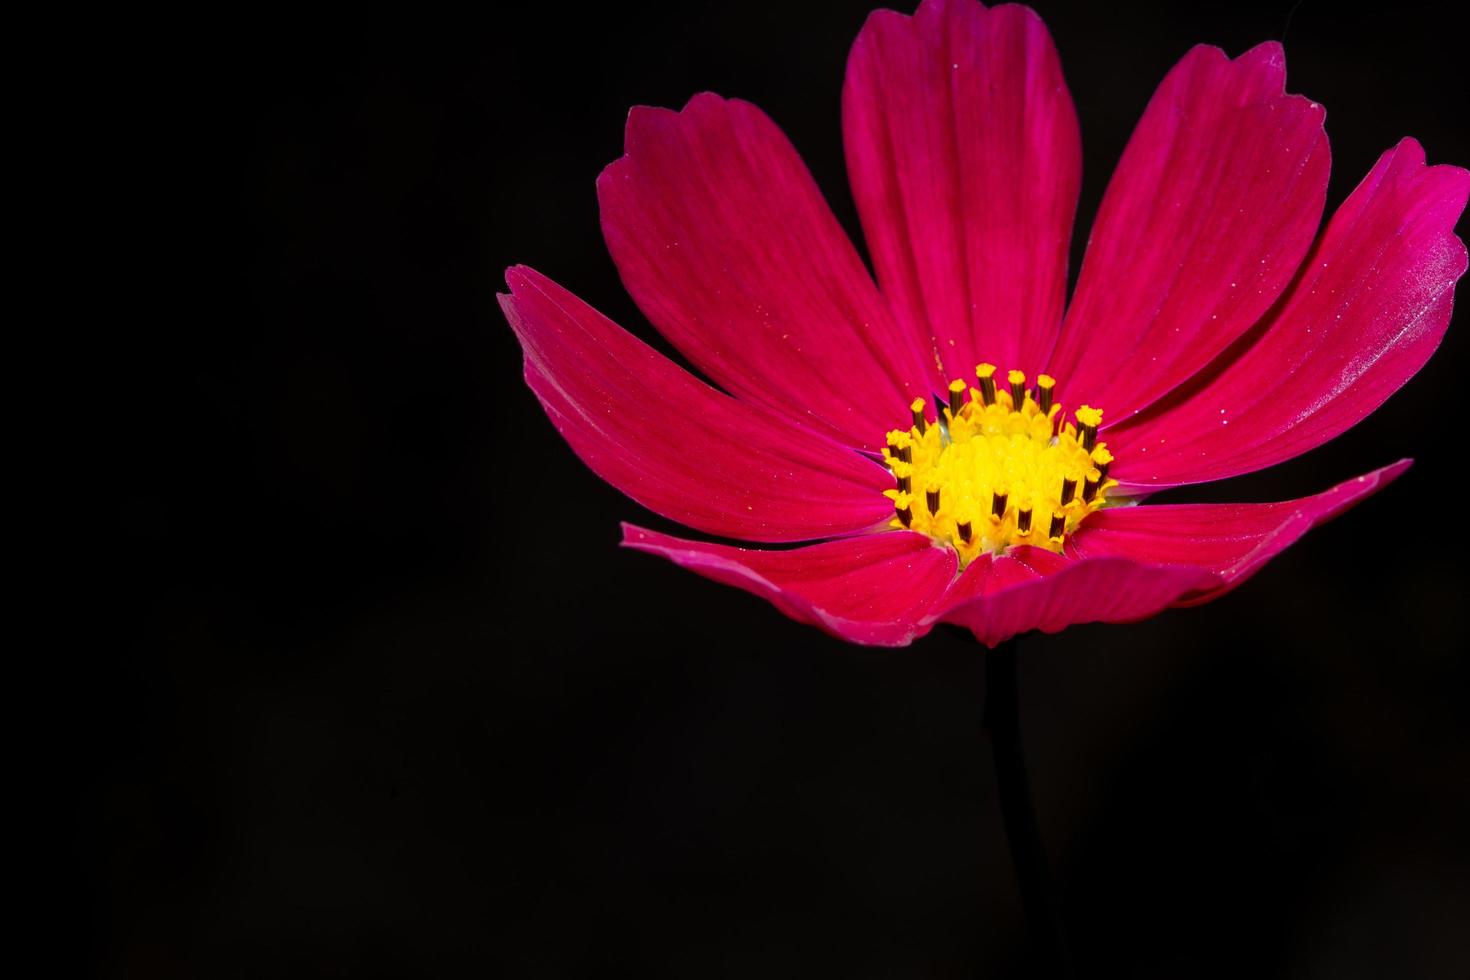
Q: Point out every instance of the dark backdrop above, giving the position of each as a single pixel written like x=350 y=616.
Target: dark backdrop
x=386 y=699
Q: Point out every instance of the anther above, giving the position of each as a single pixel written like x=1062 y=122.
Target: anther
x=965 y=531
x=920 y=422
x=1023 y=520
x=931 y=496
x=1088 y=419
x=906 y=484
x=1045 y=388
x=1089 y=489
x=1102 y=459
x=1058 y=525
x=956 y=397
x=1017 y=381
x=905 y=515
x=986 y=374
x=998 y=504
x=899 y=447
x=1069 y=490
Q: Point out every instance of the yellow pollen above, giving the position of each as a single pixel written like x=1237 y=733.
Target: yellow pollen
x=999 y=467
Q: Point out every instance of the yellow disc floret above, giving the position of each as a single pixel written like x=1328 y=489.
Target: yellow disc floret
x=1000 y=469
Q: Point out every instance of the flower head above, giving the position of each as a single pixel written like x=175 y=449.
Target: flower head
x=963 y=443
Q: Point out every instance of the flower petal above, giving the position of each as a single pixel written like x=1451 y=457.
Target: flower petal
x=965 y=161
x=1369 y=308
x=726 y=244
x=674 y=444
x=1232 y=540
x=873 y=589
x=1216 y=200
x=1031 y=588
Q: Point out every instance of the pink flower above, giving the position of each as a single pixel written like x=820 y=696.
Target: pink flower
x=941 y=428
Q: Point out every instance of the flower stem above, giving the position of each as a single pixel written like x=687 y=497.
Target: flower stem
x=1003 y=722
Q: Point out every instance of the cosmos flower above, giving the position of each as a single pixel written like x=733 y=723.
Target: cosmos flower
x=963 y=444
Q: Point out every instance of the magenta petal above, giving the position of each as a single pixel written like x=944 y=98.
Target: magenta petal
x=673 y=443
x=1033 y=589
x=726 y=244
x=1213 y=205
x=873 y=589
x=1232 y=540
x=1370 y=307
x=965 y=161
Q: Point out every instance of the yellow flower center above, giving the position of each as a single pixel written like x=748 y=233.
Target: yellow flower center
x=999 y=468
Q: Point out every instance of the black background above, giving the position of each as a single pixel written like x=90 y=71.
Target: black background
x=385 y=698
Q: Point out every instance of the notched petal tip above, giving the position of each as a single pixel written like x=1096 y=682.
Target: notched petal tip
x=641 y=119
x=520 y=277
x=1412 y=152
x=1271 y=56
x=1259 y=72
x=641 y=126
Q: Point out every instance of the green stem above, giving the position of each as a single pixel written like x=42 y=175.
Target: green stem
x=1033 y=877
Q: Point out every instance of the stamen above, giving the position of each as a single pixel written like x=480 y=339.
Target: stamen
x=988 y=471
x=986 y=374
x=920 y=422
x=1088 y=419
x=1045 y=384
x=956 y=397
x=1017 y=380
x=1089 y=489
